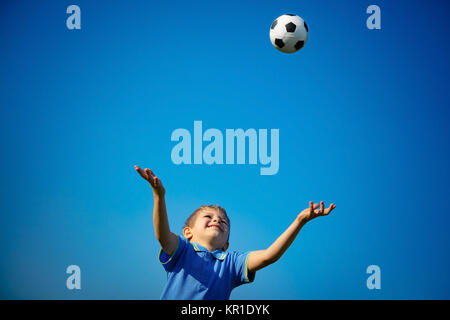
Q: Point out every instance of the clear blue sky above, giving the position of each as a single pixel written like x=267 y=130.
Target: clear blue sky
x=363 y=119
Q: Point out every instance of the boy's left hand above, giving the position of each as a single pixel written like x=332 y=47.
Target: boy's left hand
x=313 y=211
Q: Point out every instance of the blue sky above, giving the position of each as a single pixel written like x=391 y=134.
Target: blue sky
x=362 y=116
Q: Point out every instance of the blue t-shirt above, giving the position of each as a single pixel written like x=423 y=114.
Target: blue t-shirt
x=194 y=273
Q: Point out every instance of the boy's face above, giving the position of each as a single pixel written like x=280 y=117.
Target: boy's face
x=210 y=229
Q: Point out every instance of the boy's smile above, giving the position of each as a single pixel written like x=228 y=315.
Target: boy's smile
x=216 y=226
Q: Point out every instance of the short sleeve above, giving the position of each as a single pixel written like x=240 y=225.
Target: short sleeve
x=169 y=261
x=241 y=274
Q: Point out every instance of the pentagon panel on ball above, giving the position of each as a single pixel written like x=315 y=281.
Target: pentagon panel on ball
x=289 y=33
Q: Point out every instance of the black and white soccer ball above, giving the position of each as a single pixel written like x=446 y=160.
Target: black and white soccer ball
x=289 y=33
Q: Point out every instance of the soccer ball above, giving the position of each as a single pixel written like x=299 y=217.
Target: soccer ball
x=289 y=33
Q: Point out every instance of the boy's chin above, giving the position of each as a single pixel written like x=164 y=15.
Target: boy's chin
x=214 y=232
x=214 y=237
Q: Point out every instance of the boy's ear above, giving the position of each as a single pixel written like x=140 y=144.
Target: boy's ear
x=225 y=247
x=187 y=233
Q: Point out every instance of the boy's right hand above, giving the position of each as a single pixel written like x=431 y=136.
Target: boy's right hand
x=155 y=182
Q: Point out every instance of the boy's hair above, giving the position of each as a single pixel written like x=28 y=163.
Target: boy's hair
x=190 y=220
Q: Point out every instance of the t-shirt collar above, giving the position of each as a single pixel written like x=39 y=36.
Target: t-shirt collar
x=218 y=254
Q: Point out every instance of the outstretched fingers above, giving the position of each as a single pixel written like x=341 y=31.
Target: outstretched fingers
x=151 y=177
x=312 y=208
x=315 y=210
x=156 y=182
x=141 y=172
x=329 y=209
x=148 y=175
x=322 y=208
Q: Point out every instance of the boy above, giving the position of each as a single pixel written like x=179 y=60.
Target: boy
x=197 y=264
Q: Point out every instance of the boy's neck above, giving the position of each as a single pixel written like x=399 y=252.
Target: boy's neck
x=208 y=246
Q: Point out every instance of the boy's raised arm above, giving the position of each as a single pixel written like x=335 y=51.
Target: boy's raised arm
x=262 y=258
x=166 y=238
